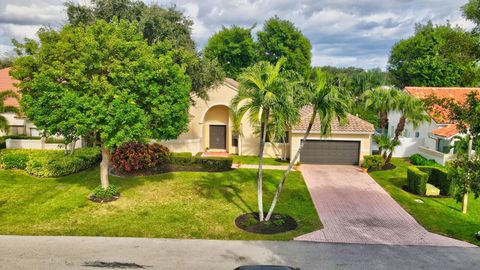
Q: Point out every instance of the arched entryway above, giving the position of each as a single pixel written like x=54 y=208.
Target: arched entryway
x=217 y=130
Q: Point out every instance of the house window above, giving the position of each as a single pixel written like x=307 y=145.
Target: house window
x=235 y=140
x=443 y=146
x=417 y=134
x=17 y=130
x=284 y=139
x=406 y=133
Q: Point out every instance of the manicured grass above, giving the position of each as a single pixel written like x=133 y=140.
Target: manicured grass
x=254 y=160
x=438 y=215
x=172 y=205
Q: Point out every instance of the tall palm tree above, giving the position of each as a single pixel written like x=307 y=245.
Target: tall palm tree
x=4 y=108
x=326 y=102
x=265 y=93
x=413 y=110
x=382 y=100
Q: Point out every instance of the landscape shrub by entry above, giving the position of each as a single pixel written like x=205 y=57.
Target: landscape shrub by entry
x=373 y=161
x=137 y=156
x=216 y=164
x=49 y=163
x=419 y=176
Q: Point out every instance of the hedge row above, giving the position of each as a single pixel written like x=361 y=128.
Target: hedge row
x=419 y=160
x=49 y=163
x=373 y=161
x=419 y=176
x=206 y=163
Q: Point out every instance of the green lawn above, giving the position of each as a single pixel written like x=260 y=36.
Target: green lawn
x=254 y=160
x=437 y=215
x=172 y=205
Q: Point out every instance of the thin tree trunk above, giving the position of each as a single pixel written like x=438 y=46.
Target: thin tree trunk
x=104 y=167
x=398 y=131
x=260 y=160
x=383 y=124
x=465 y=203
x=65 y=149
x=74 y=141
x=290 y=166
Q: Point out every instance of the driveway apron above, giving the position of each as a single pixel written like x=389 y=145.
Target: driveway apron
x=355 y=209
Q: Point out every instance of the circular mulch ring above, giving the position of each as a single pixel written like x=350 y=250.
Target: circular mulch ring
x=278 y=223
x=104 y=200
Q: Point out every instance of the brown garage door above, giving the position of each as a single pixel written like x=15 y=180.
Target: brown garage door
x=330 y=152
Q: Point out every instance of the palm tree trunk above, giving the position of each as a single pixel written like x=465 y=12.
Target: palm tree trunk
x=383 y=121
x=398 y=131
x=290 y=166
x=104 y=167
x=260 y=160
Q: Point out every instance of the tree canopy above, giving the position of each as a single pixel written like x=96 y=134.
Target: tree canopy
x=280 y=38
x=157 y=24
x=233 y=48
x=435 y=56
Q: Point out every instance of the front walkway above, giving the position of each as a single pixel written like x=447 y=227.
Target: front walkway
x=355 y=209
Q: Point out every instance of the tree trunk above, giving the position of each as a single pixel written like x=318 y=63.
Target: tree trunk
x=290 y=166
x=465 y=203
x=74 y=141
x=470 y=146
x=389 y=157
x=260 y=160
x=398 y=131
x=383 y=121
x=65 y=149
x=104 y=167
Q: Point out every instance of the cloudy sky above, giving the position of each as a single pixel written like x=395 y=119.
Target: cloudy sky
x=342 y=32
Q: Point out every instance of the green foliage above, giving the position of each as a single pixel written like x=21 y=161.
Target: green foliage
x=49 y=163
x=22 y=137
x=215 y=164
x=435 y=56
x=471 y=11
x=103 y=78
x=280 y=38
x=233 y=48
x=105 y=193
x=465 y=175
x=157 y=25
x=419 y=160
x=137 y=156
x=55 y=140
x=417 y=180
x=419 y=176
x=373 y=161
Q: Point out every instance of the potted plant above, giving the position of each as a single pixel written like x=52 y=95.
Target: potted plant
x=364 y=167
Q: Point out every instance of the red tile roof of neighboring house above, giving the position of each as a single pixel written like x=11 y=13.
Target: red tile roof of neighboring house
x=447 y=131
x=7 y=83
x=352 y=124
x=439 y=114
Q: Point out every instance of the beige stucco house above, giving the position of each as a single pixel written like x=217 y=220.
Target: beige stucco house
x=210 y=130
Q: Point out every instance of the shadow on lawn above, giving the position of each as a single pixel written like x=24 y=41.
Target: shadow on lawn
x=230 y=189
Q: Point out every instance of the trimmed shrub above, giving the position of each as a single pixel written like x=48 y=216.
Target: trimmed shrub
x=55 y=140
x=137 y=156
x=49 y=163
x=182 y=159
x=217 y=164
x=417 y=180
x=419 y=176
x=101 y=193
x=419 y=160
x=373 y=161
x=23 y=137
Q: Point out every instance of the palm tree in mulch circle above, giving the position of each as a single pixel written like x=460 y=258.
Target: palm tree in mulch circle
x=264 y=93
x=327 y=104
x=5 y=108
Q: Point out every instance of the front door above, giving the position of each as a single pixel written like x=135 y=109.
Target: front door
x=218 y=137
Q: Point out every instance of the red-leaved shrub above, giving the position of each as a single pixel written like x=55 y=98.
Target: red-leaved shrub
x=137 y=156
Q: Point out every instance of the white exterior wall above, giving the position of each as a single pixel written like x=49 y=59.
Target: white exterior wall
x=410 y=144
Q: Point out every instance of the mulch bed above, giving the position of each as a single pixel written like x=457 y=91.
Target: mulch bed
x=103 y=200
x=278 y=223
x=385 y=167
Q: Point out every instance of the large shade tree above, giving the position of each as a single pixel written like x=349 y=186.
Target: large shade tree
x=280 y=38
x=435 y=56
x=103 y=78
x=233 y=48
x=264 y=92
x=157 y=24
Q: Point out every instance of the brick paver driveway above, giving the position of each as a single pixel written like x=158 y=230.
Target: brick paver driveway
x=355 y=209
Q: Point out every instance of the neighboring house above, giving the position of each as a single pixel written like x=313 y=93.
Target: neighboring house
x=19 y=125
x=210 y=130
x=433 y=139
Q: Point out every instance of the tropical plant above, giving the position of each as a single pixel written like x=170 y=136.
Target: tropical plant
x=6 y=108
x=264 y=92
x=325 y=101
x=413 y=111
x=465 y=174
x=382 y=100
